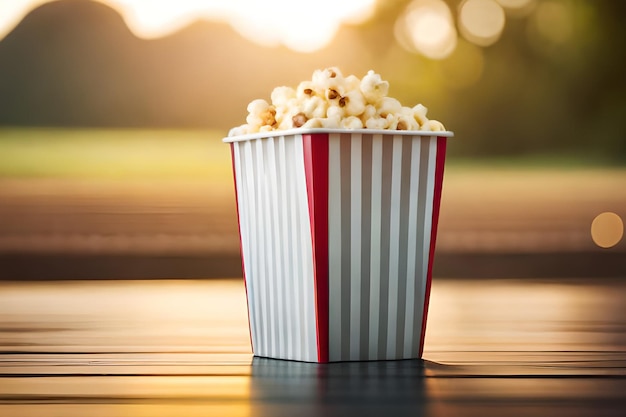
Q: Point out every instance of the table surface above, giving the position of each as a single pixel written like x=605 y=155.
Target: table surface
x=157 y=348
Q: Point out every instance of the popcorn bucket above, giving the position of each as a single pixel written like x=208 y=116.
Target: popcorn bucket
x=337 y=231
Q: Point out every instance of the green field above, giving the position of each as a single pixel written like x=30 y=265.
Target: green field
x=140 y=153
x=112 y=153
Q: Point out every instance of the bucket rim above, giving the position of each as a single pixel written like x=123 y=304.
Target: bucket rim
x=307 y=131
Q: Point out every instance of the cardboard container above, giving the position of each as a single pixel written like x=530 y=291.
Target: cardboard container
x=338 y=231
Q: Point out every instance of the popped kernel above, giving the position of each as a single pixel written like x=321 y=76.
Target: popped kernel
x=331 y=122
x=369 y=112
x=391 y=121
x=351 y=122
x=261 y=113
x=407 y=122
x=327 y=78
x=335 y=110
x=285 y=112
x=389 y=105
x=376 y=122
x=352 y=82
x=281 y=96
x=314 y=107
x=353 y=102
x=305 y=90
x=238 y=130
x=373 y=87
x=419 y=113
x=435 y=126
x=314 y=123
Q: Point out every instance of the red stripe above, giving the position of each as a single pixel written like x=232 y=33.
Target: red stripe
x=243 y=269
x=316 y=170
x=441 y=158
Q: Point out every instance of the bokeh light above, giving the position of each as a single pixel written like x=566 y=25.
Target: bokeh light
x=518 y=8
x=607 y=229
x=481 y=21
x=426 y=27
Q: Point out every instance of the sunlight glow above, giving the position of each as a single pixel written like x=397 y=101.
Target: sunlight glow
x=12 y=12
x=300 y=26
x=426 y=27
x=481 y=21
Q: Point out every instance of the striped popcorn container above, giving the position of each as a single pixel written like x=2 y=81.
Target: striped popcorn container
x=337 y=231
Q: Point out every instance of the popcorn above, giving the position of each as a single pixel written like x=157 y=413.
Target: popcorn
x=335 y=111
x=391 y=121
x=351 y=122
x=260 y=113
x=239 y=130
x=406 y=120
x=314 y=107
x=388 y=106
x=353 y=102
x=407 y=123
x=284 y=114
x=281 y=96
x=331 y=101
x=373 y=87
x=333 y=122
x=313 y=123
x=369 y=112
x=352 y=82
x=376 y=122
x=327 y=78
x=419 y=112
x=306 y=89
x=435 y=126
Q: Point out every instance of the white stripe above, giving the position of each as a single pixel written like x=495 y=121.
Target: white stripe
x=250 y=241
x=334 y=248
x=394 y=245
x=243 y=233
x=300 y=242
x=296 y=276
x=428 y=217
x=287 y=275
x=270 y=279
x=251 y=260
x=411 y=247
x=260 y=245
x=377 y=174
x=355 y=245
x=276 y=275
x=310 y=345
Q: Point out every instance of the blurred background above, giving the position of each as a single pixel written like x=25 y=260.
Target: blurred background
x=112 y=114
